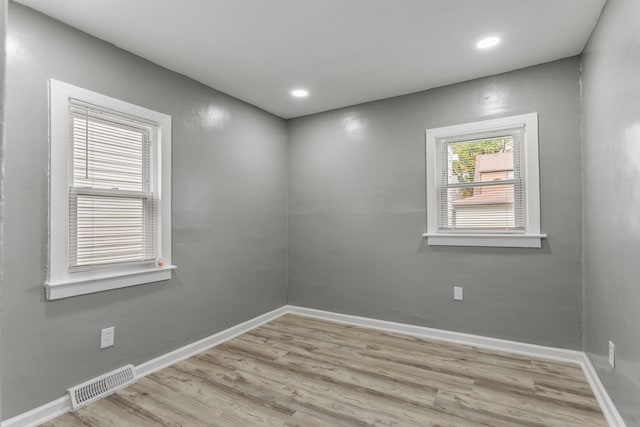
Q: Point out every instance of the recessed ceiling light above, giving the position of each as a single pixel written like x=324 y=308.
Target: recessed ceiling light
x=300 y=93
x=488 y=42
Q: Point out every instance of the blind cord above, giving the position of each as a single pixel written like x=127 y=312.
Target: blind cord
x=86 y=144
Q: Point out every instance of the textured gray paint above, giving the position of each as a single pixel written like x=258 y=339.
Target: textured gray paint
x=357 y=213
x=611 y=105
x=229 y=218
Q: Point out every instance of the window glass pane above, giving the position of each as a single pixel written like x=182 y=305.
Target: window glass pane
x=475 y=195
x=479 y=161
x=489 y=208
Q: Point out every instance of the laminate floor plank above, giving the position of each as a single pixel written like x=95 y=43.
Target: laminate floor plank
x=362 y=402
x=569 y=399
x=436 y=347
x=235 y=405
x=461 y=405
x=302 y=371
x=310 y=392
x=438 y=350
x=68 y=420
x=277 y=396
x=351 y=358
x=535 y=404
x=115 y=412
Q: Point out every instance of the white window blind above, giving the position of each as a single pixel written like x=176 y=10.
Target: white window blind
x=112 y=208
x=481 y=187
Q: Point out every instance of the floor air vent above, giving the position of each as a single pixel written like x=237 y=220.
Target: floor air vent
x=101 y=386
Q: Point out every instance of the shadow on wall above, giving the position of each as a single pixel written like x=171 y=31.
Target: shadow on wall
x=423 y=247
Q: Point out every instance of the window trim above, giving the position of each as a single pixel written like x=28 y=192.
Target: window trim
x=61 y=282
x=531 y=237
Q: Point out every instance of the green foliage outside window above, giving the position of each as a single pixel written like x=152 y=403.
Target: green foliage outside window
x=463 y=155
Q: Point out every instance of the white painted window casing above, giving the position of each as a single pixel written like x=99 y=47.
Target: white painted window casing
x=110 y=193
x=504 y=208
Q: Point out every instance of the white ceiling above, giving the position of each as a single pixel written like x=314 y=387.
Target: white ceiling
x=343 y=51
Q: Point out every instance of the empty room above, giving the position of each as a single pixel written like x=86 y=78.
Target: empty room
x=320 y=213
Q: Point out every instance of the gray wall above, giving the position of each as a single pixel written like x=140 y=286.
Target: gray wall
x=611 y=105
x=357 y=213
x=229 y=218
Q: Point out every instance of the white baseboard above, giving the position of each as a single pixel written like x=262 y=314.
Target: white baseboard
x=62 y=405
x=192 y=349
x=41 y=414
x=609 y=410
x=535 y=350
x=606 y=404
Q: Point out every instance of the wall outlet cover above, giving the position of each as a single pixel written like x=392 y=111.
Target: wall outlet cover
x=458 y=293
x=612 y=354
x=107 y=337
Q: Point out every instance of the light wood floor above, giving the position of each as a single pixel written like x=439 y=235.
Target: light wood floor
x=307 y=372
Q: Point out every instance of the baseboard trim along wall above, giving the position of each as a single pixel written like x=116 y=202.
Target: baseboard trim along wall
x=443 y=335
x=606 y=404
x=62 y=405
x=609 y=410
x=192 y=349
x=41 y=414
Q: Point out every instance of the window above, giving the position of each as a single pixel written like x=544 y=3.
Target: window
x=482 y=183
x=109 y=199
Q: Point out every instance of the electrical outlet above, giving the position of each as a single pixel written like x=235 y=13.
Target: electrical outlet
x=458 y=293
x=106 y=337
x=612 y=354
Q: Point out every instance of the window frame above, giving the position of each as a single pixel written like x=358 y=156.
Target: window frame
x=531 y=236
x=62 y=281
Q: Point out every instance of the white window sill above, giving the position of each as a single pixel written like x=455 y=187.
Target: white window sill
x=489 y=240
x=89 y=284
